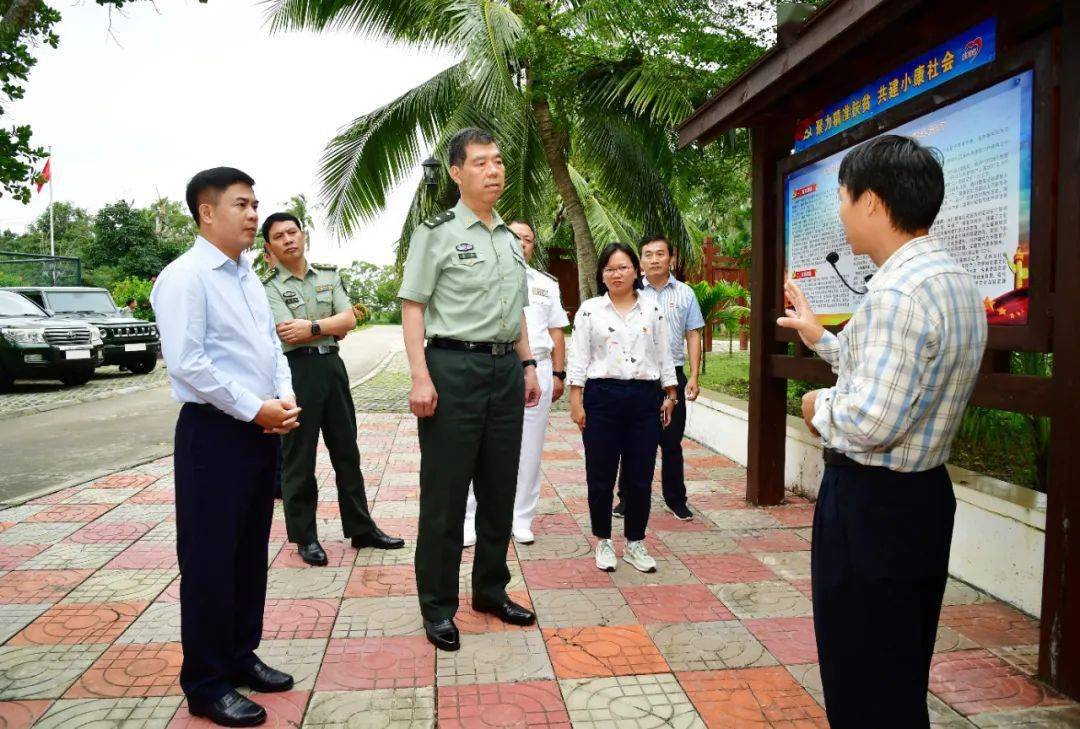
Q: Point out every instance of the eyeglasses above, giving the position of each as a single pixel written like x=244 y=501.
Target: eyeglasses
x=618 y=270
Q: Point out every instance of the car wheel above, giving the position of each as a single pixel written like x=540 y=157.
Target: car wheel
x=142 y=365
x=74 y=379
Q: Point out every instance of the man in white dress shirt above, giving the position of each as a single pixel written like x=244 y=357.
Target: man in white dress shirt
x=225 y=365
x=545 y=319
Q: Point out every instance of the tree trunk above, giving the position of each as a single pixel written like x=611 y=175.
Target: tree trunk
x=556 y=146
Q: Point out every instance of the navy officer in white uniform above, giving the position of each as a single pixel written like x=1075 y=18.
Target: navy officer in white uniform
x=226 y=367
x=545 y=319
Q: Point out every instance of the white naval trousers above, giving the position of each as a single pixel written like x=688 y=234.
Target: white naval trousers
x=532 y=448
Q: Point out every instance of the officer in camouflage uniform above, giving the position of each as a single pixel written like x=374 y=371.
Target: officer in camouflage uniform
x=464 y=291
x=313 y=312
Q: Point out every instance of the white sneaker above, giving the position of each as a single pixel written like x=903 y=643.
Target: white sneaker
x=636 y=555
x=605 y=556
x=469 y=540
x=524 y=536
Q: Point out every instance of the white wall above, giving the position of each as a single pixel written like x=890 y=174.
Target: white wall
x=999 y=535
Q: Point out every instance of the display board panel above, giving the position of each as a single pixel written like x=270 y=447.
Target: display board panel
x=985 y=220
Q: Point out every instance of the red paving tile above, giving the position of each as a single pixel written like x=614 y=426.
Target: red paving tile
x=355 y=664
x=790 y=640
x=975 y=681
x=132 y=670
x=710 y=462
x=591 y=652
x=145 y=557
x=80 y=623
x=522 y=705
x=381 y=581
x=773 y=540
x=153 y=496
x=70 y=513
x=552 y=574
x=556 y=524
x=751 y=697
x=110 y=532
x=30 y=586
x=721 y=569
x=58 y=497
x=283 y=711
x=21 y=714
x=295 y=619
x=675 y=604
x=13 y=555
x=991 y=625
x=796 y=515
x=124 y=481
x=726 y=502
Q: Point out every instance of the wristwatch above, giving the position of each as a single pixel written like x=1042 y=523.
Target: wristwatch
x=316 y=330
x=528 y=362
x=561 y=374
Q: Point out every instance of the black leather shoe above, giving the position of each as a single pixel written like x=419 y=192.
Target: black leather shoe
x=260 y=677
x=377 y=540
x=443 y=634
x=507 y=611
x=313 y=554
x=232 y=709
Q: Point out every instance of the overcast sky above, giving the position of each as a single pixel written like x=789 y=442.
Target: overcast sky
x=188 y=86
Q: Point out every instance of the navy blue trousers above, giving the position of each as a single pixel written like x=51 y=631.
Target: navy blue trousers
x=672 y=471
x=622 y=431
x=225 y=471
x=879 y=562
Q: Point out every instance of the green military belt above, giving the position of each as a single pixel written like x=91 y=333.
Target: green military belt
x=321 y=349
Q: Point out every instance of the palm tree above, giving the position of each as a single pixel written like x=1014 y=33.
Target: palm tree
x=298 y=206
x=581 y=95
x=720 y=305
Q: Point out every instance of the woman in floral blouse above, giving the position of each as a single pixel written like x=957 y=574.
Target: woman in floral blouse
x=619 y=360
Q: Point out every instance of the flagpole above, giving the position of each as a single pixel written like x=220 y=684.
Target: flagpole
x=52 y=234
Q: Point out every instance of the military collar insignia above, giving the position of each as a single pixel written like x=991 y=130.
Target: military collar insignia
x=464 y=247
x=269 y=276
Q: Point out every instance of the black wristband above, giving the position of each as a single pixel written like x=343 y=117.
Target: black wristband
x=527 y=362
x=316 y=330
x=561 y=374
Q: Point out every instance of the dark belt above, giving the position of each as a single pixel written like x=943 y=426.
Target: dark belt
x=321 y=349
x=495 y=349
x=834 y=457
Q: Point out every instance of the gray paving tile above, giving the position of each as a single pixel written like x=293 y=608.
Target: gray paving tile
x=145 y=713
x=122 y=586
x=14 y=618
x=1065 y=717
x=555 y=546
x=38 y=533
x=368 y=617
x=504 y=657
x=159 y=623
x=379 y=709
x=694 y=543
x=580 y=608
x=74 y=556
x=709 y=646
x=741 y=519
x=768 y=599
x=306 y=582
x=789 y=565
x=43 y=671
x=300 y=657
x=641 y=702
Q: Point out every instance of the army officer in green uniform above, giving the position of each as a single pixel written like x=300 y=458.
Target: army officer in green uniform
x=312 y=312
x=464 y=292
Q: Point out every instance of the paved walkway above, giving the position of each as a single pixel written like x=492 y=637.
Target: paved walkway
x=719 y=636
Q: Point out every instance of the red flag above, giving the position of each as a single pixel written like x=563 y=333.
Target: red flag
x=45 y=176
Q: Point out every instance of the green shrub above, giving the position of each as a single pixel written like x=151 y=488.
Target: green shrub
x=138 y=289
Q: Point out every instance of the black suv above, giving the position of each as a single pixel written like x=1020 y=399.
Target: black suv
x=129 y=342
x=36 y=346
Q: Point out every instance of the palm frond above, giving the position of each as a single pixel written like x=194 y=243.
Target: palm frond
x=422 y=22
x=607 y=223
x=381 y=149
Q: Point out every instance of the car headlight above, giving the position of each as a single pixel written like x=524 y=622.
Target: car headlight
x=24 y=335
x=95 y=334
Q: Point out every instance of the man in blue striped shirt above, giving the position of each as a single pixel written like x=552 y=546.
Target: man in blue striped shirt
x=906 y=364
x=683 y=316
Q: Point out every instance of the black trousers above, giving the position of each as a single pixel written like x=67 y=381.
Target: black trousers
x=880 y=556
x=622 y=430
x=672 y=477
x=321 y=383
x=474 y=436
x=224 y=504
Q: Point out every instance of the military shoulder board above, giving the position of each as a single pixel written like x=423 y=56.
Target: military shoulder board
x=436 y=220
x=324 y=266
x=269 y=276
